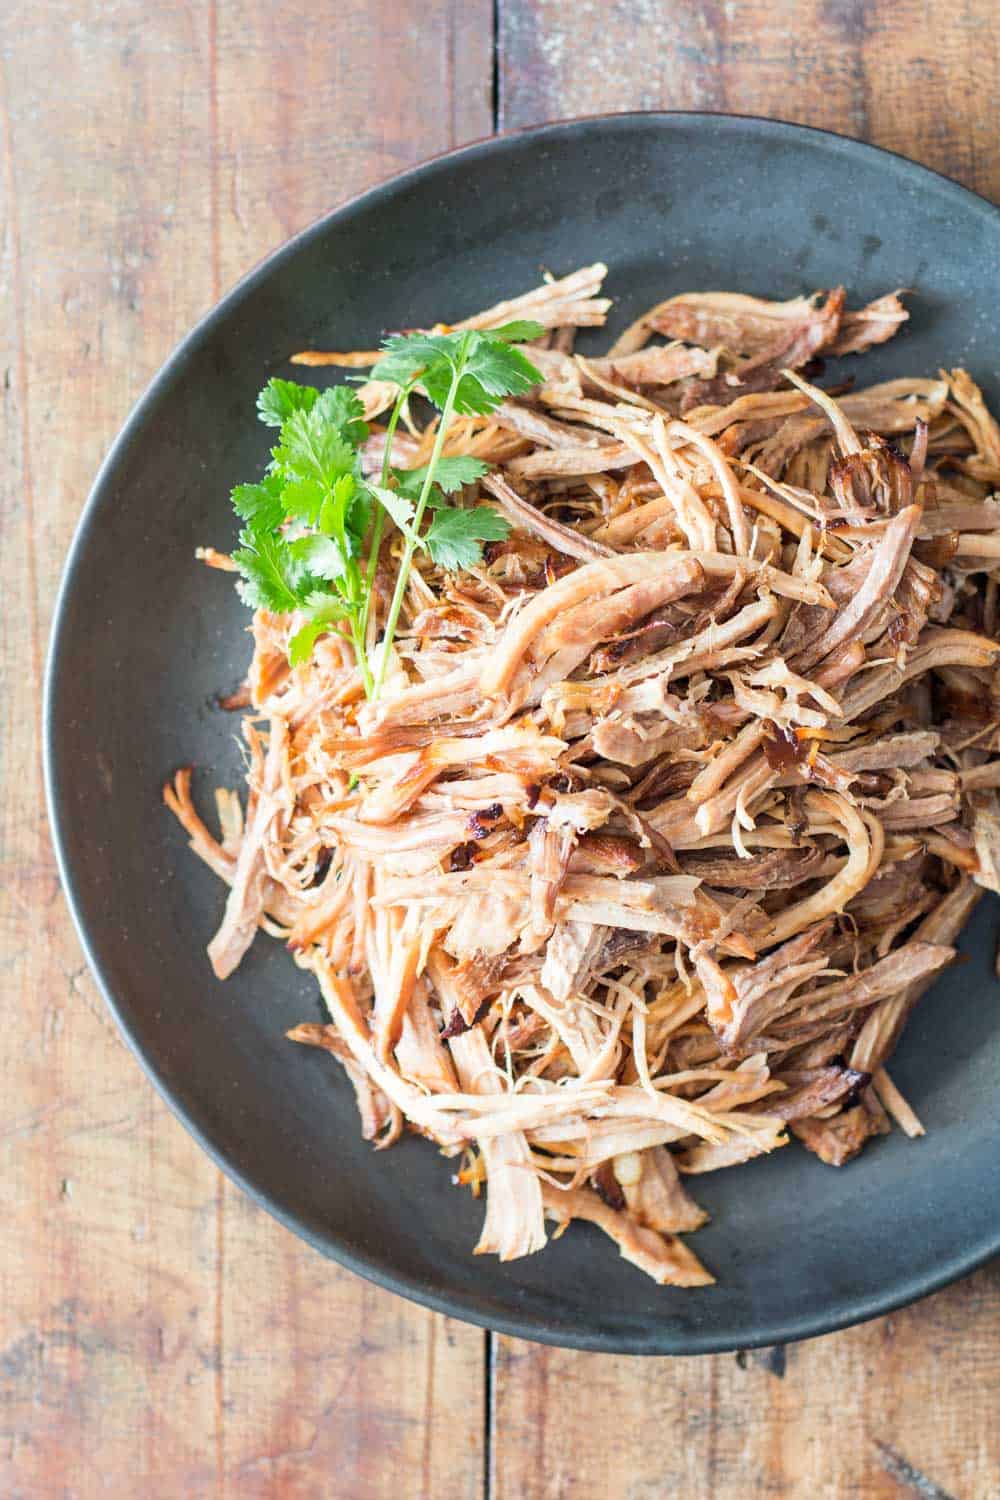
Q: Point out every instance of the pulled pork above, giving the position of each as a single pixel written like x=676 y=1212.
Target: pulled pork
x=670 y=810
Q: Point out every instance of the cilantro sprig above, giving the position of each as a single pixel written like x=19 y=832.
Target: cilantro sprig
x=306 y=521
x=468 y=373
x=309 y=523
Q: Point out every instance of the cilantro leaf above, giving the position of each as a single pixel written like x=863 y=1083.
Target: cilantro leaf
x=409 y=482
x=319 y=555
x=493 y=370
x=331 y=517
x=270 y=578
x=399 y=506
x=311 y=448
x=358 y=516
x=300 y=646
x=260 y=505
x=450 y=475
x=323 y=610
x=405 y=356
x=302 y=499
x=454 y=538
x=489 y=366
x=436 y=382
x=521 y=331
x=280 y=398
x=343 y=409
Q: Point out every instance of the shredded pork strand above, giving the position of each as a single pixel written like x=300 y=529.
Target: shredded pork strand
x=672 y=808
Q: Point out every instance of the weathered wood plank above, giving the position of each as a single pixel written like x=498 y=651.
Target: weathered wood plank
x=904 y=73
x=329 y=1386
x=880 y=1411
x=902 y=1406
x=158 y=1335
x=313 y=109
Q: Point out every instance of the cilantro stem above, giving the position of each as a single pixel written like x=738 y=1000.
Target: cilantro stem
x=403 y=576
x=378 y=522
x=358 y=638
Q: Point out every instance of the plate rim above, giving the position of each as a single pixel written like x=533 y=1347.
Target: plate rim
x=664 y=1339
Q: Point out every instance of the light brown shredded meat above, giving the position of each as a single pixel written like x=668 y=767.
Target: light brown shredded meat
x=672 y=808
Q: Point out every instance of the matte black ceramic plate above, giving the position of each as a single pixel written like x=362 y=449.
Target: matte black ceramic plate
x=672 y=203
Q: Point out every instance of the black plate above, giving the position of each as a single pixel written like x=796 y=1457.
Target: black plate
x=145 y=638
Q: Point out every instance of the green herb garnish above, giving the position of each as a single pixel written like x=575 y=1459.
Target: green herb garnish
x=309 y=523
x=305 y=522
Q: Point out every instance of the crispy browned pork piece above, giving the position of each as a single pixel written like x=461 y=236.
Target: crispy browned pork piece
x=671 y=810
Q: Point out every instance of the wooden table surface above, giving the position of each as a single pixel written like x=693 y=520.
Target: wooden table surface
x=159 y=1335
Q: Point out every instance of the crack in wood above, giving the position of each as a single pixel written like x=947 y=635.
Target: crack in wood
x=906 y=1473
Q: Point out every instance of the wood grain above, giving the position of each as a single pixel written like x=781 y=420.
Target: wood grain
x=159 y=1336
x=880 y=1411
x=908 y=74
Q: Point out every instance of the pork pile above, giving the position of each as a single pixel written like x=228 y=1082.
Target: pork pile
x=669 y=812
